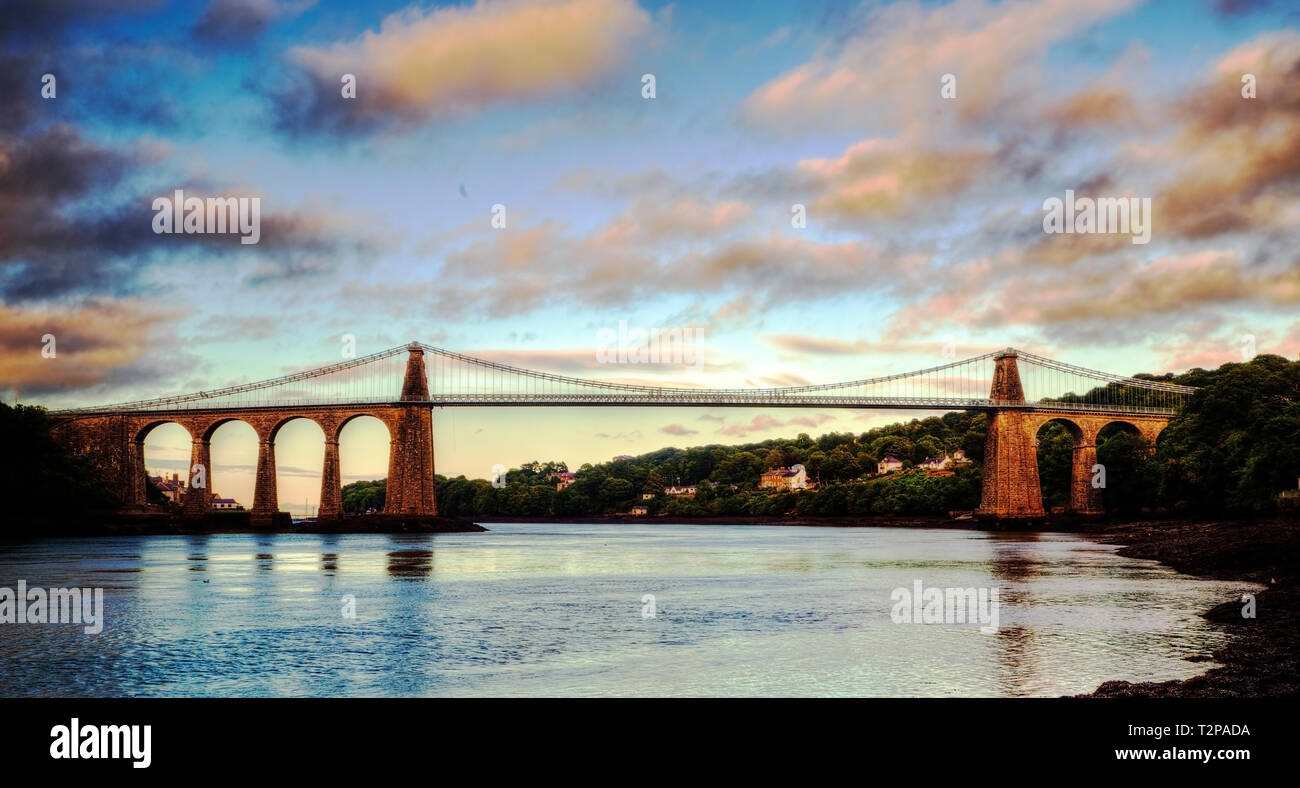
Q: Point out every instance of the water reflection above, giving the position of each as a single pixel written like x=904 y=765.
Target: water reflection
x=197 y=545
x=1015 y=557
x=265 y=558
x=329 y=557
x=416 y=564
x=1017 y=561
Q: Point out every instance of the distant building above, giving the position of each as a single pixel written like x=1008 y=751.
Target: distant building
x=784 y=479
x=687 y=490
x=946 y=462
x=647 y=496
x=640 y=510
x=173 y=489
x=889 y=465
x=226 y=503
x=623 y=457
x=564 y=479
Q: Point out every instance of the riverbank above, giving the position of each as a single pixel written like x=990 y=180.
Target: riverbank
x=1262 y=656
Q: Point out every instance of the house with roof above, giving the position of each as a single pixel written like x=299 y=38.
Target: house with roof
x=946 y=462
x=784 y=479
x=173 y=489
x=889 y=465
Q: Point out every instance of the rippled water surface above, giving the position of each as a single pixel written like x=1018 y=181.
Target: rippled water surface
x=558 y=610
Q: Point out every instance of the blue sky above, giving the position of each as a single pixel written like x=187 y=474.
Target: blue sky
x=924 y=213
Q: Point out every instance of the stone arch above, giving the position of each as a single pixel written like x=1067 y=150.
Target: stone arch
x=210 y=432
x=274 y=431
x=351 y=417
x=149 y=426
x=1081 y=497
x=350 y=453
x=140 y=469
x=1147 y=429
x=221 y=421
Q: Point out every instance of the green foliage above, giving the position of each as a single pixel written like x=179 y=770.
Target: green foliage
x=1132 y=472
x=727 y=477
x=358 y=497
x=39 y=478
x=1236 y=445
x=1055 y=463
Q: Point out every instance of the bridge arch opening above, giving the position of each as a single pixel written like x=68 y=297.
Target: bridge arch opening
x=363 y=457
x=1127 y=453
x=167 y=452
x=299 y=463
x=233 y=454
x=1055 y=441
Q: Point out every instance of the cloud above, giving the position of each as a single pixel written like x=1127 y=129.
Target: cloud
x=40 y=21
x=760 y=423
x=784 y=379
x=1112 y=305
x=889 y=178
x=678 y=429
x=45 y=247
x=428 y=65
x=229 y=22
x=510 y=273
x=810 y=421
x=887 y=71
x=1238 y=159
x=100 y=346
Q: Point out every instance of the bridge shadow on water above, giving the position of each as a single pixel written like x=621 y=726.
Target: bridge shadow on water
x=414 y=559
x=1016 y=562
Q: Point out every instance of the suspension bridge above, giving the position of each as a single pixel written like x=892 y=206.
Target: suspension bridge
x=401 y=385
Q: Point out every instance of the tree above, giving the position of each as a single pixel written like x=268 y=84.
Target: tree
x=1236 y=444
x=1132 y=473
x=1055 y=463
x=361 y=496
x=927 y=446
x=775 y=458
x=615 y=492
x=40 y=479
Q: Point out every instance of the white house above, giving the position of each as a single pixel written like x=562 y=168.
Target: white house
x=889 y=465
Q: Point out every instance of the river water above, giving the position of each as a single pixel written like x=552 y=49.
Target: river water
x=562 y=610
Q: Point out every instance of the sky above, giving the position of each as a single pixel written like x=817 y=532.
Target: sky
x=502 y=184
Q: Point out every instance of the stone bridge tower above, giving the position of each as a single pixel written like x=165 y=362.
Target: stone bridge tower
x=410 y=462
x=1010 y=457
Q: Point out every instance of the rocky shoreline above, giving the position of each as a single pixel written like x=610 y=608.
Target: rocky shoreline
x=1262 y=655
